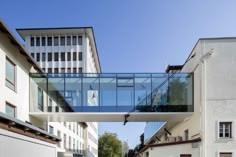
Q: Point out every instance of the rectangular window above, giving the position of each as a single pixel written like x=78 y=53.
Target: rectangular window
x=68 y=56
x=80 y=40
x=80 y=70
x=226 y=154
x=32 y=41
x=38 y=57
x=10 y=110
x=50 y=56
x=40 y=99
x=59 y=135
x=43 y=56
x=185 y=155
x=80 y=56
x=186 y=135
x=56 y=70
x=62 y=70
x=74 y=56
x=10 y=74
x=43 y=69
x=49 y=70
x=49 y=41
x=64 y=141
x=56 y=41
x=62 y=56
x=62 y=41
x=32 y=55
x=74 y=70
x=68 y=40
x=68 y=70
x=51 y=129
x=37 y=41
x=74 y=40
x=43 y=41
x=56 y=56
x=225 y=129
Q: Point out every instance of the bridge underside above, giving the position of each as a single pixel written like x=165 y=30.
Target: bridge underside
x=170 y=118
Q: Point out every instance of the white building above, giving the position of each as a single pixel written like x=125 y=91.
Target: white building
x=67 y=50
x=210 y=130
x=20 y=134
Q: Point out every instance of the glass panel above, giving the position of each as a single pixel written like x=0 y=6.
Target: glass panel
x=40 y=99
x=10 y=110
x=10 y=72
x=125 y=99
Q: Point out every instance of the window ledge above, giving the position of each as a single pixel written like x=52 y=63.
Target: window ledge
x=225 y=140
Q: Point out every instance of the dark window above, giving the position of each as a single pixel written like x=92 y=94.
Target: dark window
x=32 y=41
x=49 y=41
x=62 y=70
x=10 y=110
x=56 y=56
x=50 y=56
x=74 y=70
x=38 y=41
x=56 y=41
x=80 y=56
x=226 y=154
x=186 y=135
x=225 y=130
x=68 y=56
x=74 y=56
x=43 y=41
x=43 y=69
x=62 y=56
x=80 y=40
x=56 y=70
x=40 y=99
x=38 y=57
x=62 y=41
x=185 y=155
x=10 y=74
x=80 y=70
x=49 y=70
x=68 y=70
x=74 y=40
x=43 y=56
x=32 y=55
x=51 y=129
x=68 y=40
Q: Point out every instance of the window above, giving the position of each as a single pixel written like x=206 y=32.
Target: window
x=43 y=56
x=62 y=56
x=185 y=155
x=80 y=56
x=68 y=56
x=49 y=41
x=51 y=129
x=59 y=135
x=74 y=70
x=56 y=70
x=38 y=57
x=10 y=74
x=74 y=56
x=64 y=141
x=80 y=40
x=68 y=40
x=43 y=41
x=74 y=40
x=32 y=55
x=50 y=56
x=56 y=41
x=62 y=41
x=80 y=70
x=69 y=143
x=10 y=110
x=56 y=56
x=43 y=69
x=186 y=135
x=40 y=99
x=68 y=70
x=62 y=70
x=225 y=130
x=38 y=41
x=49 y=70
x=226 y=154
x=32 y=41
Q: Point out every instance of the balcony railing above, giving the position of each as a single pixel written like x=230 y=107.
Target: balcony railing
x=111 y=92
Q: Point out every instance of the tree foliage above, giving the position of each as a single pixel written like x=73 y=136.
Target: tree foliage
x=109 y=145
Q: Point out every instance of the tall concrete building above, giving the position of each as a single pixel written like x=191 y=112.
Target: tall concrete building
x=66 y=50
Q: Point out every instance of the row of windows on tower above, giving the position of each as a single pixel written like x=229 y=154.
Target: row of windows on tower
x=63 y=70
x=56 y=56
x=41 y=41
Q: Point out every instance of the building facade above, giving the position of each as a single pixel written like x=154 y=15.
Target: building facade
x=210 y=130
x=67 y=50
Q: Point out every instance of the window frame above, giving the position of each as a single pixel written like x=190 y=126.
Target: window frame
x=32 y=41
x=230 y=131
x=40 y=106
x=12 y=83
x=223 y=153
x=11 y=105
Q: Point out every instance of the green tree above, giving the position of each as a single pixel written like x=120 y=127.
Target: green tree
x=109 y=145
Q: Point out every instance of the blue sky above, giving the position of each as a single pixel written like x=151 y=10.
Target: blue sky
x=131 y=35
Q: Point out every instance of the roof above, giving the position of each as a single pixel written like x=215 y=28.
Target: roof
x=15 y=42
x=20 y=125
x=24 y=32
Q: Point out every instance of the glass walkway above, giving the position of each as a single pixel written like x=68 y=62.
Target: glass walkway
x=111 y=92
